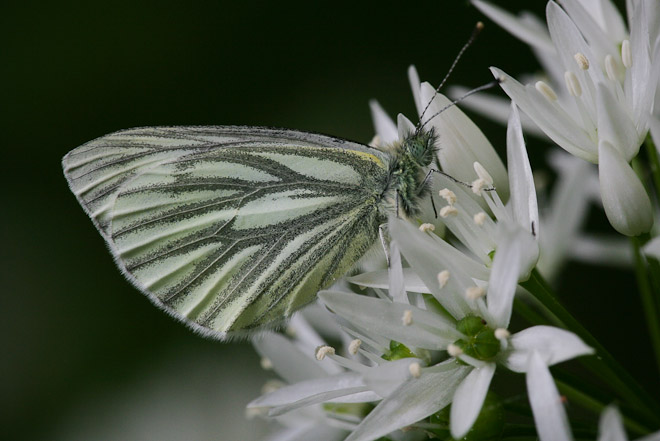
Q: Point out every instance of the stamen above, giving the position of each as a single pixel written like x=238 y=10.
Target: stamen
x=482 y=173
x=453 y=350
x=546 y=91
x=443 y=278
x=572 y=83
x=581 y=61
x=407 y=317
x=611 y=68
x=266 y=364
x=626 y=55
x=448 y=196
x=478 y=185
x=425 y=228
x=415 y=369
x=502 y=334
x=322 y=351
x=291 y=331
x=447 y=211
x=474 y=292
x=271 y=386
x=480 y=218
x=354 y=346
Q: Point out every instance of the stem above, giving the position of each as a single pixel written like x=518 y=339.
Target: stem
x=654 y=164
x=603 y=365
x=589 y=403
x=648 y=302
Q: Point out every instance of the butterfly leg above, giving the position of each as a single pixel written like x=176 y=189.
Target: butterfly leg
x=397 y=204
x=383 y=242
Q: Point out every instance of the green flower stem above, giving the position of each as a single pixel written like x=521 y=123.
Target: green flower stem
x=596 y=406
x=654 y=163
x=603 y=365
x=648 y=302
x=575 y=390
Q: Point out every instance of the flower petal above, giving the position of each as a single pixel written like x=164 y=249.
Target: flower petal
x=512 y=258
x=653 y=248
x=521 y=180
x=415 y=85
x=549 y=414
x=626 y=203
x=462 y=142
x=308 y=392
x=552 y=345
x=615 y=125
x=415 y=399
x=428 y=255
x=536 y=36
x=288 y=361
x=492 y=107
x=387 y=377
x=380 y=279
x=385 y=127
x=382 y=317
x=556 y=123
x=596 y=36
x=468 y=399
x=396 y=289
x=564 y=216
x=610 y=426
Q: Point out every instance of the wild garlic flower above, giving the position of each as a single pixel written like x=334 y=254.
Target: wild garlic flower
x=470 y=324
x=611 y=79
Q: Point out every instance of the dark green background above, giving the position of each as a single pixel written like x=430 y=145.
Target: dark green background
x=82 y=350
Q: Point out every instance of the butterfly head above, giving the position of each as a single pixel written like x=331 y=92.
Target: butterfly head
x=420 y=146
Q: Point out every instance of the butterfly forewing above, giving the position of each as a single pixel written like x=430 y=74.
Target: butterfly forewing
x=231 y=228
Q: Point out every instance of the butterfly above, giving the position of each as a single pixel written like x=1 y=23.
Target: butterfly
x=231 y=229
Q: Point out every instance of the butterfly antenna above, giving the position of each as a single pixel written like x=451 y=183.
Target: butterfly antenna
x=458 y=100
x=475 y=32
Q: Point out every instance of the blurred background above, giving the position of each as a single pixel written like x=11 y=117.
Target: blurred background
x=85 y=355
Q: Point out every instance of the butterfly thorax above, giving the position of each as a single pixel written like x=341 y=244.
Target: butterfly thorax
x=408 y=170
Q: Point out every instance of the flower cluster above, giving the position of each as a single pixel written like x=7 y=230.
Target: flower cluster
x=415 y=348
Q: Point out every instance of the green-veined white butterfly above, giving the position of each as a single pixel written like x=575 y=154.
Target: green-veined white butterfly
x=234 y=228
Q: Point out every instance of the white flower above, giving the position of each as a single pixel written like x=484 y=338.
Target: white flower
x=601 y=113
x=475 y=333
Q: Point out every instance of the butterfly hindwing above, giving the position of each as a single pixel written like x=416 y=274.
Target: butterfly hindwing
x=231 y=228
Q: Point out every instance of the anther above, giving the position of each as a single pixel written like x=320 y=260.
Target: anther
x=501 y=334
x=581 y=61
x=480 y=218
x=406 y=319
x=626 y=55
x=546 y=91
x=322 y=351
x=482 y=173
x=271 y=386
x=354 y=346
x=453 y=350
x=447 y=211
x=611 y=68
x=448 y=196
x=474 y=292
x=572 y=83
x=425 y=228
x=443 y=278
x=266 y=364
x=415 y=369
x=478 y=185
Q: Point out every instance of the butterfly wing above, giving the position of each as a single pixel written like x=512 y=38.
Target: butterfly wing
x=230 y=228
